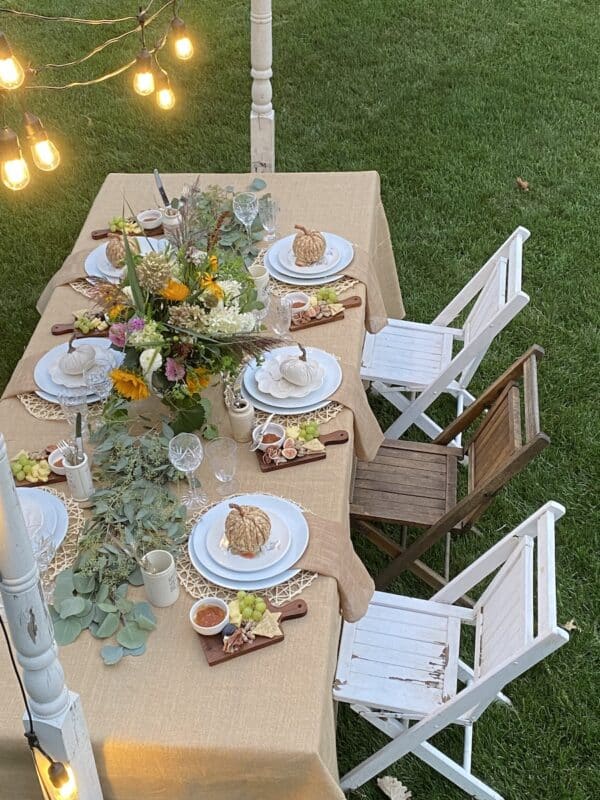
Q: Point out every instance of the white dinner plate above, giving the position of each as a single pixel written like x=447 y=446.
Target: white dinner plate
x=263 y=579
x=272 y=552
x=294 y=405
x=285 y=260
x=276 y=269
x=53 y=510
x=49 y=389
x=97 y=265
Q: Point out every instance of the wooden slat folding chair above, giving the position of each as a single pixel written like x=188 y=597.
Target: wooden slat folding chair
x=414 y=484
x=398 y=667
x=411 y=363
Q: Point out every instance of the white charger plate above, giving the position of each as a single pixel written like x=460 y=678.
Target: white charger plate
x=97 y=265
x=262 y=579
x=294 y=405
x=275 y=268
x=48 y=389
x=53 y=510
x=275 y=549
x=270 y=381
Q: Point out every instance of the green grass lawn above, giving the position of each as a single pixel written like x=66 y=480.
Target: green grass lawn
x=450 y=102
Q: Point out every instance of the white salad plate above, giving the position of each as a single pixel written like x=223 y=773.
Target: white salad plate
x=302 y=277
x=261 y=579
x=97 y=265
x=272 y=552
x=36 y=503
x=270 y=380
x=318 y=398
x=49 y=389
x=326 y=265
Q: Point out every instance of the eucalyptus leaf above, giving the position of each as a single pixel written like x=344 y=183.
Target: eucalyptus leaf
x=102 y=593
x=257 y=185
x=87 y=607
x=144 y=616
x=132 y=636
x=111 y=654
x=135 y=651
x=66 y=630
x=109 y=626
x=108 y=607
x=71 y=606
x=88 y=618
x=135 y=578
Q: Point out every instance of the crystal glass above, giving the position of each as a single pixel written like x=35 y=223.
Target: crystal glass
x=245 y=208
x=281 y=315
x=267 y=211
x=222 y=457
x=73 y=402
x=186 y=454
x=97 y=377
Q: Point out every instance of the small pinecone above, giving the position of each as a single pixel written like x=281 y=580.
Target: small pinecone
x=186 y=316
x=153 y=272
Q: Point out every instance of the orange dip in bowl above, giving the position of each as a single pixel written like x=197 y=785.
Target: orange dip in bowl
x=208 y=616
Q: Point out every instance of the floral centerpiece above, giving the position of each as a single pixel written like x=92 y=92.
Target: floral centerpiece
x=183 y=315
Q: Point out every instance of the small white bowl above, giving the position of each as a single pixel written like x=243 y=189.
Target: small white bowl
x=209 y=601
x=55 y=456
x=272 y=427
x=150 y=219
x=298 y=297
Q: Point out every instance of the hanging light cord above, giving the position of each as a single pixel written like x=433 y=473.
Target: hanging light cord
x=32 y=15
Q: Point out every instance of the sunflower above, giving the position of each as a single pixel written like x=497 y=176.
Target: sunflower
x=197 y=379
x=213 y=264
x=175 y=291
x=116 y=311
x=208 y=283
x=129 y=385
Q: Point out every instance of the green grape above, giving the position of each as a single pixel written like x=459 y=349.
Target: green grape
x=247 y=613
x=251 y=599
x=260 y=606
x=257 y=615
x=241 y=594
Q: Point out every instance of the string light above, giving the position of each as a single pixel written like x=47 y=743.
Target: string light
x=62 y=778
x=184 y=49
x=45 y=153
x=143 y=80
x=165 y=96
x=12 y=73
x=13 y=167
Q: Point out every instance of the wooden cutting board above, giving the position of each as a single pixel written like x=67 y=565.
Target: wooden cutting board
x=350 y=302
x=103 y=233
x=336 y=437
x=213 y=645
x=61 y=328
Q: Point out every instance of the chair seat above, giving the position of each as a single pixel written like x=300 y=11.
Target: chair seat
x=402 y=656
x=409 y=355
x=409 y=483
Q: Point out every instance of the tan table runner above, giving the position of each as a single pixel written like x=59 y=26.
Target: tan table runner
x=330 y=552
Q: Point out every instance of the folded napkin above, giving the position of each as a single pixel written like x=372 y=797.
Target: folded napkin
x=22 y=380
x=71 y=270
x=361 y=268
x=330 y=552
x=368 y=436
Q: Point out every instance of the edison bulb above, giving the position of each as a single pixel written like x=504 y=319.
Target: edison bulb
x=68 y=791
x=46 y=155
x=165 y=98
x=143 y=83
x=184 y=49
x=15 y=174
x=12 y=74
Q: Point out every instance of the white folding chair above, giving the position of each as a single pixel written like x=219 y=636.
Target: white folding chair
x=400 y=663
x=417 y=359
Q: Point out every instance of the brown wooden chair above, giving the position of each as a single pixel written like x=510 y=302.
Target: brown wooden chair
x=414 y=484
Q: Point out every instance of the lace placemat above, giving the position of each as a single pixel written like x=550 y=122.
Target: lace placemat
x=42 y=409
x=198 y=587
x=66 y=553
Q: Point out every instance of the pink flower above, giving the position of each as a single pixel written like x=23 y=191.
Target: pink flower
x=174 y=370
x=118 y=334
x=136 y=324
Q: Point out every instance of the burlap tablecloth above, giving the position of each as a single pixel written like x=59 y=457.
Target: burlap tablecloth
x=261 y=727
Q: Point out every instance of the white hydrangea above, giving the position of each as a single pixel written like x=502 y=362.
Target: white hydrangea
x=232 y=289
x=227 y=320
x=149 y=335
x=150 y=361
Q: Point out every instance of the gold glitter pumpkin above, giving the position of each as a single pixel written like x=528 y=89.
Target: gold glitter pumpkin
x=308 y=246
x=247 y=529
x=115 y=249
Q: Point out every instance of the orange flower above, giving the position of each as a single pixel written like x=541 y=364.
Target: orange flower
x=129 y=385
x=197 y=379
x=175 y=291
x=208 y=283
x=115 y=312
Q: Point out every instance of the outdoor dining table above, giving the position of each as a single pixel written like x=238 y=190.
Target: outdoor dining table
x=261 y=726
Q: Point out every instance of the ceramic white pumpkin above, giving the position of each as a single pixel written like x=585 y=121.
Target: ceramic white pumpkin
x=298 y=370
x=76 y=360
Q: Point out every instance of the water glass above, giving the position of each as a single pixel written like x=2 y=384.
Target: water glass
x=97 y=377
x=281 y=315
x=245 y=208
x=222 y=457
x=186 y=454
x=267 y=211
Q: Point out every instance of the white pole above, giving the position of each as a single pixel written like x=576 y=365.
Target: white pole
x=57 y=714
x=262 y=116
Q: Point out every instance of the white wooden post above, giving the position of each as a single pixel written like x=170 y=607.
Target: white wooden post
x=57 y=714
x=262 y=116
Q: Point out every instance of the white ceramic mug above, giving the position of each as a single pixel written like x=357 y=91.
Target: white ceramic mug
x=161 y=586
x=260 y=276
x=79 y=480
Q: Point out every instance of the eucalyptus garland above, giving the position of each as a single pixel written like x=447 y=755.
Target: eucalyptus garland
x=132 y=513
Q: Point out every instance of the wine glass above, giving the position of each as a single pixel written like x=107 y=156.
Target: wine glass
x=186 y=454
x=222 y=454
x=97 y=376
x=267 y=211
x=245 y=208
x=281 y=315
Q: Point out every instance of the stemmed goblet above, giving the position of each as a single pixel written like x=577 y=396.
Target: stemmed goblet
x=245 y=208
x=186 y=454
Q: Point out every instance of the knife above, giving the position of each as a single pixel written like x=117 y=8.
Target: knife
x=161 y=188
